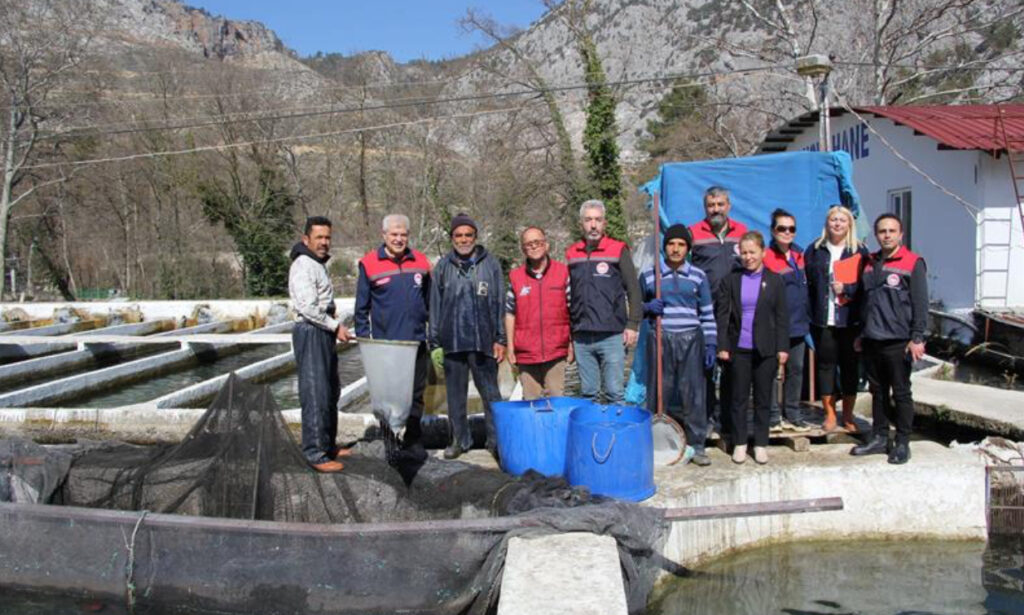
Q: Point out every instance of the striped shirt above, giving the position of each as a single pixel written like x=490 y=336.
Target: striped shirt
x=687 y=296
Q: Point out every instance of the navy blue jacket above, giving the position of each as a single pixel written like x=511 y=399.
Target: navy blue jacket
x=392 y=296
x=895 y=297
x=795 y=277
x=816 y=263
x=467 y=303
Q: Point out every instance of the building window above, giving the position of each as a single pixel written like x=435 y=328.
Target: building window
x=899 y=204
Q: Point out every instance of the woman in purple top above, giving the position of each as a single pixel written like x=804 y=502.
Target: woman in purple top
x=753 y=330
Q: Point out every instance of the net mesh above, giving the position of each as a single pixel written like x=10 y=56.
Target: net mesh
x=240 y=461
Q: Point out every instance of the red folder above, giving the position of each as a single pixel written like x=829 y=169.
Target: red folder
x=847 y=270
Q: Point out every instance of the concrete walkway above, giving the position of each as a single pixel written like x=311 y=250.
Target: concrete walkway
x=997 y=411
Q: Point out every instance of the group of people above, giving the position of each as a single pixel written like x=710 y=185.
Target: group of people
x=736 y=316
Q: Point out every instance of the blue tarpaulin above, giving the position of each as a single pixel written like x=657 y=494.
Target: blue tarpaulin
x=806 y=184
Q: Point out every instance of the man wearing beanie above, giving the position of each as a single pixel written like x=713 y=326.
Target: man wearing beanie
x=689 y=338
x=604 y=307
x=467 y=321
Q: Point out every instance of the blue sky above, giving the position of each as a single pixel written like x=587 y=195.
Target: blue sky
x=407 y=29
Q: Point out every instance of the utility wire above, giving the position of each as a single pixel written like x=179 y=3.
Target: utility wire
x=402 y=103
x=972 y=210
x=225 y=146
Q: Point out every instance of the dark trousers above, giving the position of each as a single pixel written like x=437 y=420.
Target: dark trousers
x=682 y=382
x=889 y=367
x=316 y=359
x=794 y=385
x=457 y=367
x=413 y=430
x=834 y=347
x=716 y=397
x=747 y=368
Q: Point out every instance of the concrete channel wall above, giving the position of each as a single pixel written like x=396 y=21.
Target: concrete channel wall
x=87 y=353
x=940 y=494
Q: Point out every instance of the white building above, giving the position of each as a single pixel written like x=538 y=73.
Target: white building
x=974 y=245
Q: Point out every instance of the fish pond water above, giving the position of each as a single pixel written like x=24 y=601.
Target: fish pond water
x=862 y=578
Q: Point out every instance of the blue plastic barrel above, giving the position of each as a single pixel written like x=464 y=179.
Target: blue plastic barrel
x=611 y=451
x=533 y=434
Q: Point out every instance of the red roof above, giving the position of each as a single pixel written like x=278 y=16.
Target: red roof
x=961 y=126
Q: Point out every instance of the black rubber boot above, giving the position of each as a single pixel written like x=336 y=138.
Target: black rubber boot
x=877 y=445
x=900 y=453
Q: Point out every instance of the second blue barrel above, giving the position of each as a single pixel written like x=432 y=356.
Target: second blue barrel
x=532 y=435
x=611 y=451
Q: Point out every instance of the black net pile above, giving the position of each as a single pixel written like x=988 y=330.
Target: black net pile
x=240 y=461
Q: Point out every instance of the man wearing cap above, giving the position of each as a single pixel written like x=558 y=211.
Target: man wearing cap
x=314 y=338
x=689 y=338
x=392 y=297
x=894 y=319
x=605 y=306
x=716 y=252
x=537 y=317
x=467 y=322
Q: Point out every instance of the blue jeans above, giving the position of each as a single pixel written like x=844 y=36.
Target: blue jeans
x=600 y=356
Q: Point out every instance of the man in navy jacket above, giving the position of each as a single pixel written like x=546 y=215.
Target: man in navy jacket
x=392 y=300
x=467 y=307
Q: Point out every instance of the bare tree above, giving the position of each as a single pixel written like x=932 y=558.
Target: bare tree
x=41 y=43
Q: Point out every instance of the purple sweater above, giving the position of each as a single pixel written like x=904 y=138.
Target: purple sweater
x=750 y=290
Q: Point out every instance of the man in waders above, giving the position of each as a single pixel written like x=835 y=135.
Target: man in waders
x=716 y=252
x=392 y=298
x=689 y=338
x=537 y=318
x=894 y=319
x=467 y=310
x=314 y=341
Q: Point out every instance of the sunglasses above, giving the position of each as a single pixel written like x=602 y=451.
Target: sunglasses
x=785 y=229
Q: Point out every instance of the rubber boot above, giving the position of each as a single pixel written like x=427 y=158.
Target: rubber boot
x=900 y=453
x=828 y=402
x=849 y=401
x=877 y=445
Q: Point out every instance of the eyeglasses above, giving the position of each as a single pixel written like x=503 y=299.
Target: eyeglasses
x=785 y=229
x=536 y=243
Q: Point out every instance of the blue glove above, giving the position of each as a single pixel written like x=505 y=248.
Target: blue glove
x=710 y=354
x=809 y=341
x=654 y=307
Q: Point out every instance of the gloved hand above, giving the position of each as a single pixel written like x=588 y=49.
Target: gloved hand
x=710 y=354
x=654 y=307
x=437 y=357
x=809 y=341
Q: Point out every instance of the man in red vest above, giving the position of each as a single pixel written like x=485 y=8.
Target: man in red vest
x=537 y=314
x=392 y=298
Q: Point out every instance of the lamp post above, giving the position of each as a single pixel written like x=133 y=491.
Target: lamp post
x=819 y=65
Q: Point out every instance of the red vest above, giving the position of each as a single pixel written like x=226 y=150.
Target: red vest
x=542 y=313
